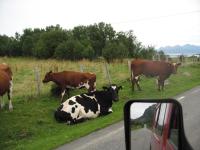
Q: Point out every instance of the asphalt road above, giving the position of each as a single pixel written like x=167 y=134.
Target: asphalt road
x=140 y=139
x=190 y=101
x=112 y=137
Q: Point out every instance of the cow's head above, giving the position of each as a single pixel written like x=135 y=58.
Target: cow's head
x=175 y=67
x=47 y=77
x=113 y=89
x=6 y=69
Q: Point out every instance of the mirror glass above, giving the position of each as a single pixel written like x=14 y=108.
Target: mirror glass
x=153 y=125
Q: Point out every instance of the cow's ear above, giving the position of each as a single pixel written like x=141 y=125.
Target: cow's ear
x=105 y=88
x=178 y=64
x=120 y=87
x=50 y=71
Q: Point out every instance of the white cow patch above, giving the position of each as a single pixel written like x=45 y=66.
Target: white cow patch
x=110 y=109
x=86 y=85
x=137 y=78
x=79 y=111
x=89 y=114
x=114 y=87
x=10 y=105
x=68 y=108
x=10 y=102
x=174 y=64
x=63 y=93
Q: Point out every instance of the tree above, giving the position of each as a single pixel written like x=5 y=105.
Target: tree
x=98 y=35
x=4 y=45
x=71 y=49
x=49 y=41
x=129 y=40
x=99 y=39
x=114 y=50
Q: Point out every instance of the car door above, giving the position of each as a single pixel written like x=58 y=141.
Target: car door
x=157 y=136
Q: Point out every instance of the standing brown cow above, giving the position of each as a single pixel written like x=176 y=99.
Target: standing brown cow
x=6 y=84
x=149 y=68
x=71 y=79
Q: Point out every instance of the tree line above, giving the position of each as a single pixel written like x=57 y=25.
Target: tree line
x=89 y=42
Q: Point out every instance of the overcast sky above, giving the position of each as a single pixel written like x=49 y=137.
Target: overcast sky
x=154 y=22
x=137 y=109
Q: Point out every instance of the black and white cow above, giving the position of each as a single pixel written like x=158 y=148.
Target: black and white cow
x=88 y=105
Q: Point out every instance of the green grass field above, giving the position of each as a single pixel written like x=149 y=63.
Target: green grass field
x=31 y=124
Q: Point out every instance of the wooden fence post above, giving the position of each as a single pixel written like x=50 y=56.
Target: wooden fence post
x=129 y=65
x=81 y=67
x=153 y=57
x=107 y=73
x=167 y=58
x=55 y=68
x=37 y=79
x=158 y=57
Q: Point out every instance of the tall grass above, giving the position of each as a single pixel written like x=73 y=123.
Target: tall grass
x=24 y=75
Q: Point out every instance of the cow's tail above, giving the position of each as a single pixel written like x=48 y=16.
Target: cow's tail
x=131 y=73
x=132 y=76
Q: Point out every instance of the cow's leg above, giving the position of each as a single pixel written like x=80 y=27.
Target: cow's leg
x=79 y=120
x=10 y=101
x=10 y=96
x=133 y=84
x=62 y=95
x=67 y=91
x=162 y=84
x=159 y=83
x=137 y=78
x=106 y=111
x=132 y=81
x=1 y=102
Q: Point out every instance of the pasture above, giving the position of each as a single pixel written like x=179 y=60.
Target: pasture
x=31 y=125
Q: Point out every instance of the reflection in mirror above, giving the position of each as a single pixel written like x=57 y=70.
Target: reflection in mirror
x=152 y=124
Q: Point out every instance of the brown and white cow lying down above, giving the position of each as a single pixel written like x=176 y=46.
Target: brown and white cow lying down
x=5 y=84
x=88 y=105
x=70 y=79
x=149 y=68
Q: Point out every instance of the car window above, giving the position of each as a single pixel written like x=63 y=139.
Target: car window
x=161 y=118
x=174 y=127
x=156 y=116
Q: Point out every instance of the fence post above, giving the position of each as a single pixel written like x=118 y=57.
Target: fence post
x=153 y=57
x=129 y=65
x=55 y=68
x=81 y=67
x=167 y=58
x=158 y=57
x=107 y=73
x=37 y=79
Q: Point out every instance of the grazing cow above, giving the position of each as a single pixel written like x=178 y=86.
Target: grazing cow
x=86 y=106
x=5 y=84
x=149 y=68
x=70 y=79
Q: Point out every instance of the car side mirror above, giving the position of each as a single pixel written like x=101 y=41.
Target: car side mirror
x=154 y=124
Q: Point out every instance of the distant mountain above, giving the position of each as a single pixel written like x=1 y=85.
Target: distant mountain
x=185 y=49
